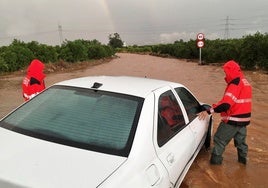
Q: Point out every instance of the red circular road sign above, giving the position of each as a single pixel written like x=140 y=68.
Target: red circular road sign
x=200 y=36
x=200 y=44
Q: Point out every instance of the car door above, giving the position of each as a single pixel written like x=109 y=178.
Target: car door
x=192 y=107
x=174 y=141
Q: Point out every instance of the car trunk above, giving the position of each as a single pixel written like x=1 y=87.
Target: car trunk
x=31 y=162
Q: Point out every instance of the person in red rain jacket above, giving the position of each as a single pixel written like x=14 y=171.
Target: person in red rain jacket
x=235 y=110
x=33 y=83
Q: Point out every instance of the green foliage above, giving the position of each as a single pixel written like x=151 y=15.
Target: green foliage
x=15 y=56
x=109 y=51
x=82 y=50
x=43 y=52
x=135 y=49
x=254 y=50
x=182 y=49
x=99 y=51
x=73 y=51
x=3 y=65
x=250 y=51
x=115 y=41
x=19 y=54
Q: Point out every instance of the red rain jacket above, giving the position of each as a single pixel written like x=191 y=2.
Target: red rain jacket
x=235 y=106
x=33 y=83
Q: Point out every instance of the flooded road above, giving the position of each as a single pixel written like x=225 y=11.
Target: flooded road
x=207 y=83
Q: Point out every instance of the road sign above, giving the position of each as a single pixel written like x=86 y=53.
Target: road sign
x=200 y=36
x=200 y=40
x=200 y=44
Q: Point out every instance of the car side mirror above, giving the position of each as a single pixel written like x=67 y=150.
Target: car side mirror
x=204 y=107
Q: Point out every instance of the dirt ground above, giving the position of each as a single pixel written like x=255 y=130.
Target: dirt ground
x=207 y=83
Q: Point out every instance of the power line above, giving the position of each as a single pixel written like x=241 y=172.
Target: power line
x=154 y=30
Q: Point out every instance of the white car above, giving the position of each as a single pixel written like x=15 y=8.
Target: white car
x=103 y=131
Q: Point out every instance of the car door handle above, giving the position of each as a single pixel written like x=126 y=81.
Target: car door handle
x=170 y=158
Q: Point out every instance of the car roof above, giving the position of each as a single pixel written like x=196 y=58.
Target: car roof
x=136 y=86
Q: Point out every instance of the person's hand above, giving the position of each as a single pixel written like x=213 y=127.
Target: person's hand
x=202 y=115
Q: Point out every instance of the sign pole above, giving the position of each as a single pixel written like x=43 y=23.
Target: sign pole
x=200 y=60
x=200 y=44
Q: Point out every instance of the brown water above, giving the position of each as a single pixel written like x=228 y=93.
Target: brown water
x=208 y=85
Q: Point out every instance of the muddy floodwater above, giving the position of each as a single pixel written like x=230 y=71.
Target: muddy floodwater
x=207 y=83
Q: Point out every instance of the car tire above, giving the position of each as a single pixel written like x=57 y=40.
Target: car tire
x=209 y=135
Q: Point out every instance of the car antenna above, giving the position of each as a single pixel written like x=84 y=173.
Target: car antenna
x=96 y=85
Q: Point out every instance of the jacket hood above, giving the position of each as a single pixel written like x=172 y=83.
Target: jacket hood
x=232 y=70
x=35 y=69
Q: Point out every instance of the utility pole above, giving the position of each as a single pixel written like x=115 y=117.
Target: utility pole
x=60 y=33
x=226 y=33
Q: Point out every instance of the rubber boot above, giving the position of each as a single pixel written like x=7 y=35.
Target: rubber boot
x=242 y=160
x=216 y=159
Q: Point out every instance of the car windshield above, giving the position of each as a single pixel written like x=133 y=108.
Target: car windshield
x=84 y=118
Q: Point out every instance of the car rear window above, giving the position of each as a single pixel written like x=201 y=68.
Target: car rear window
x=84 y=118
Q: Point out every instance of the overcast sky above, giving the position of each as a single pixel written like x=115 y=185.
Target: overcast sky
x=137 y=21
